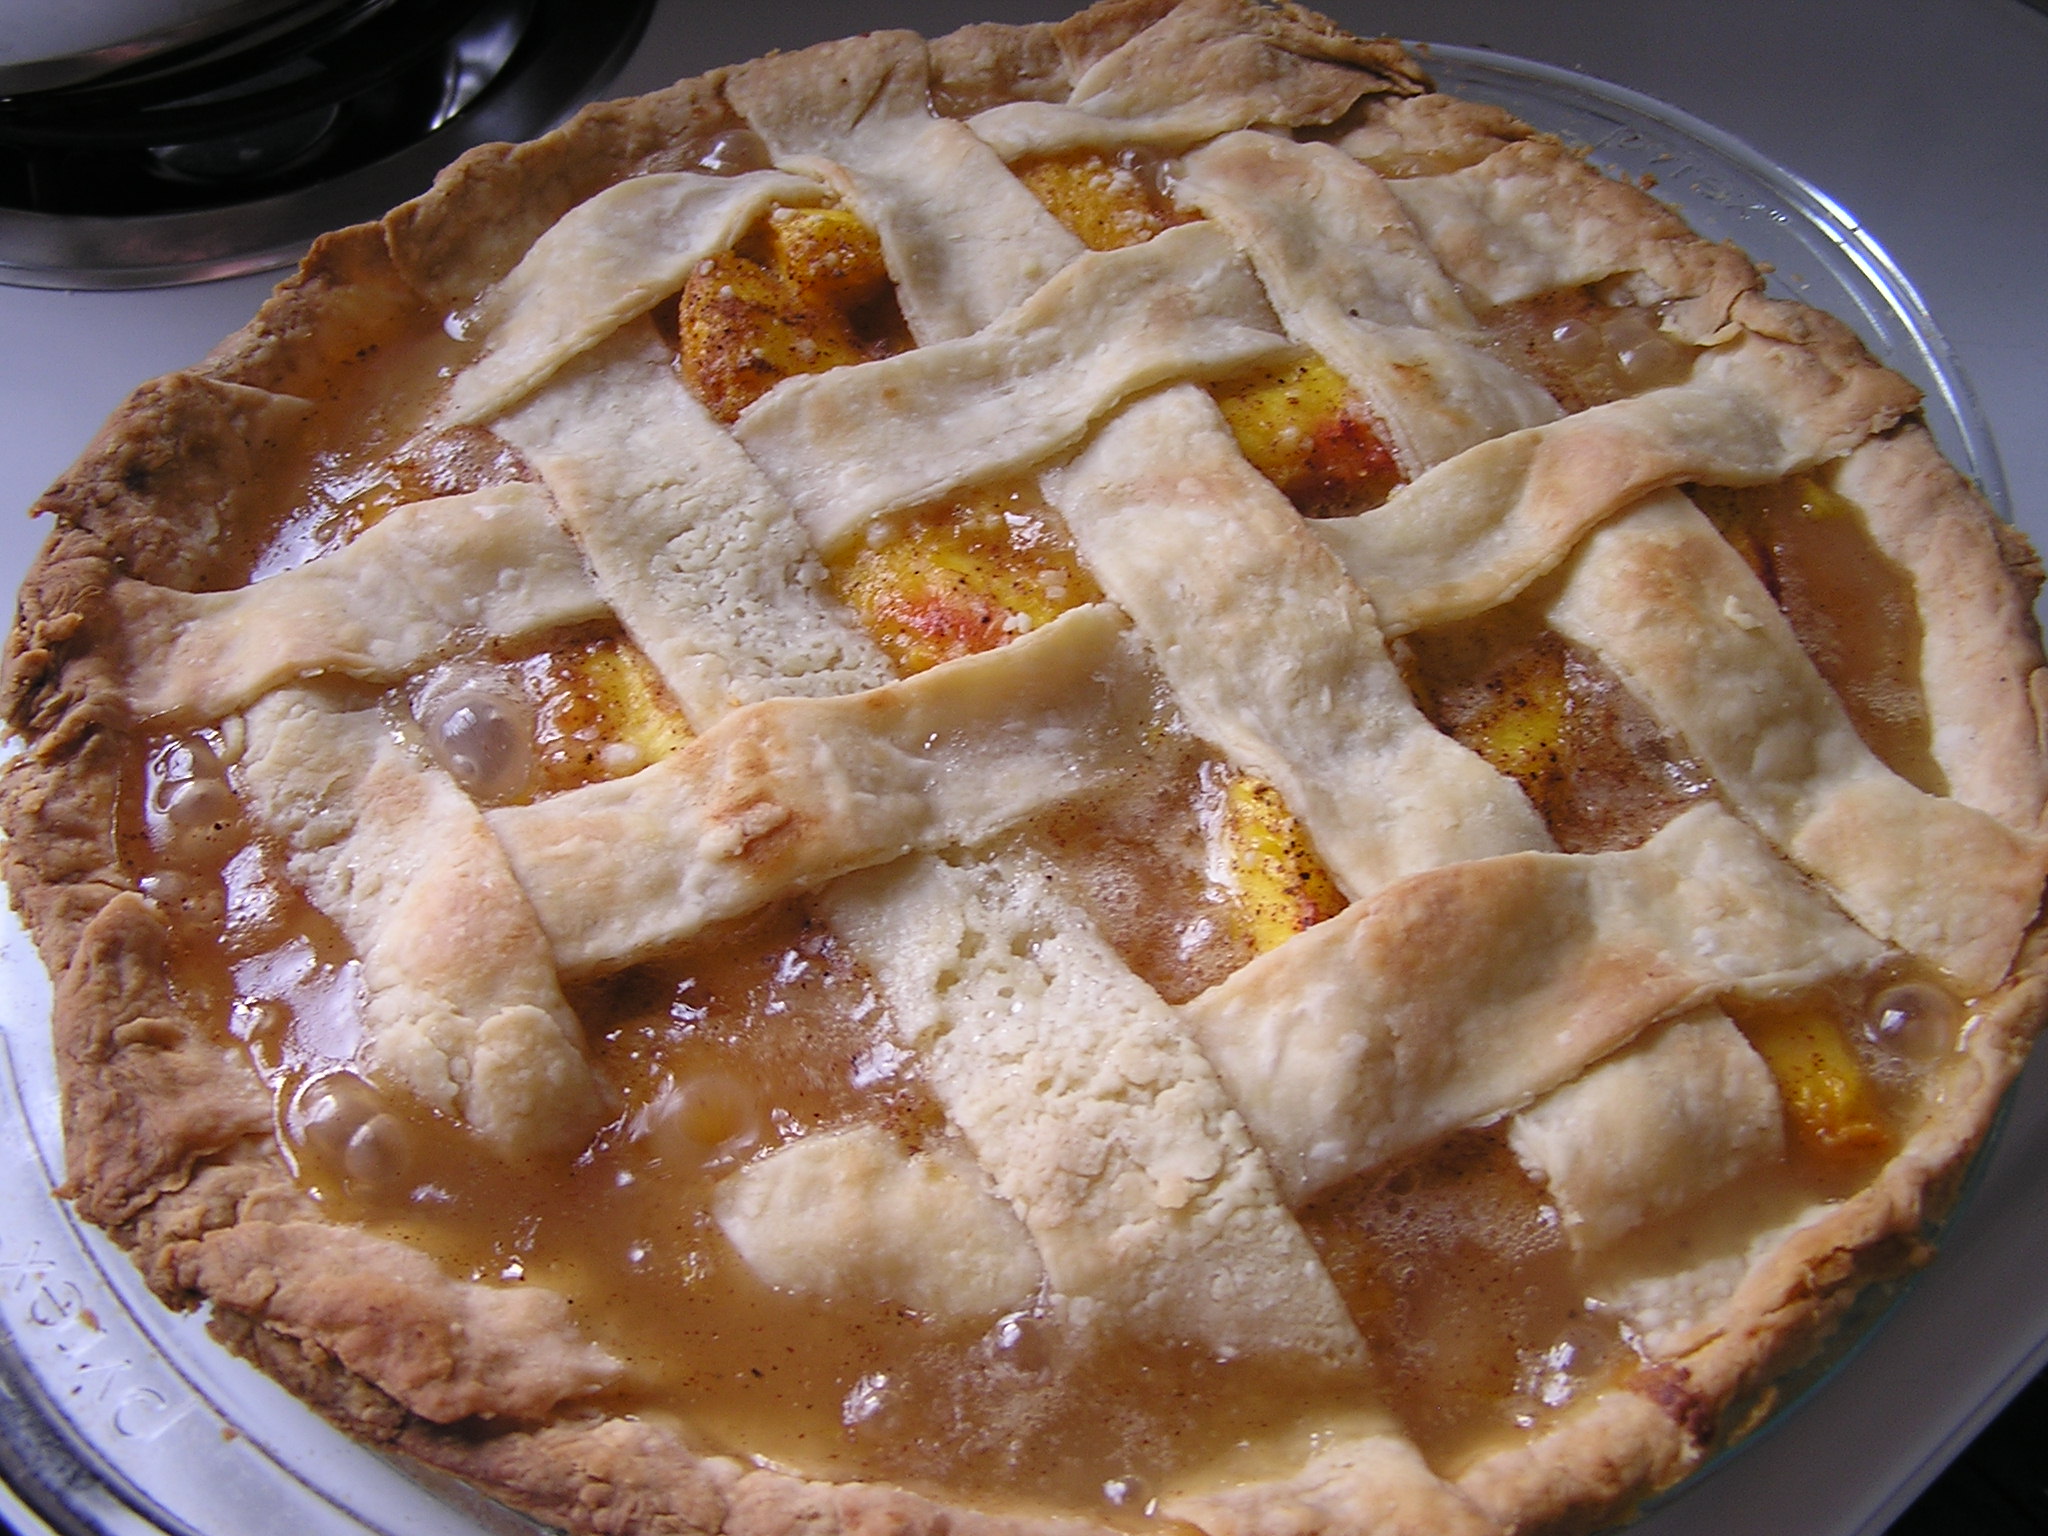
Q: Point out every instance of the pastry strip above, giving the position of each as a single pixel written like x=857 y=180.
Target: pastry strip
x=430 y=578
x=701 y=560
x=1353 y=281
x=1092 y=1111
x=962 y=237
x=1206 y=68
x=1675 y=1302
x=1666 y=603
x=1272 y=652
x=786 y=794
x=1476 y=530
x=460 y=1005
x=1463 y=993
x=1182 y=305
x=1428 y=135
x=1301 y=1271
x=1534 y=218
x=1678 y=1115
x=849 y=1215
x=1981 y=678
x=605 y=261
x=887 y=170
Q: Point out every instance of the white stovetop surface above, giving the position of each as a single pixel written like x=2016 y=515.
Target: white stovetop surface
x=1923 y=118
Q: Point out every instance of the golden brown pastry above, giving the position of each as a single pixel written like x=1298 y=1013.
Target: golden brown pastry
x=1095 y=774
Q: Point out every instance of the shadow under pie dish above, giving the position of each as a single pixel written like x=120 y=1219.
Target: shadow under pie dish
x=1566 y=884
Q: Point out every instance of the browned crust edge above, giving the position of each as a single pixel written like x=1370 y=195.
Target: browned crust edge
x=159 y=492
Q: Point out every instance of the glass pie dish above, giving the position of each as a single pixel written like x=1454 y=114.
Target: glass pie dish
x=118 y=1416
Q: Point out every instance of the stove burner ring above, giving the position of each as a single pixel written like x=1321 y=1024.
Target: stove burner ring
x=231 y=157
x=245 y=80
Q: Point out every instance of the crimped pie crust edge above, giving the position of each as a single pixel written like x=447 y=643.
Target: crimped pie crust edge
x=168 y=1133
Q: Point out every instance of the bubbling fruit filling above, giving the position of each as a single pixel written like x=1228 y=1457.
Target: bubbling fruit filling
x=750 y=1041
x=1304 y=429
x=1484 y=1311
x=1473 y=1302
x=1480 y=1315
x=1456 y=1266
x=1851 y=607
x=943 y=582
x=1299 y=423
x=803 y=291
x=577 y=709
x=1552 y=718
x=1850 y=1061
x=1585 y=350
x=446 y=461
x=1106 y=201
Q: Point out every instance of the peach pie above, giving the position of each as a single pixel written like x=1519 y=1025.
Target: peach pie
x=1093 y=775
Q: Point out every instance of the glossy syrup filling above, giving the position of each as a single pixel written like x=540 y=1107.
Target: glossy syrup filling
x=1851 y=606
x=738 y=1044
x=1586 y=350
x=1598 y=769
x=970 y=574
x=1452 y=1261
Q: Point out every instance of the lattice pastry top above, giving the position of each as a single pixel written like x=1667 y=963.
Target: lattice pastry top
x=1114 y=769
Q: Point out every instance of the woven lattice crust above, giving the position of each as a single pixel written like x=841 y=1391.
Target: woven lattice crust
x=170 y=1127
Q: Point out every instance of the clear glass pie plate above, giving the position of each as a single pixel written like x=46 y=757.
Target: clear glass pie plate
x=119 y=1417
